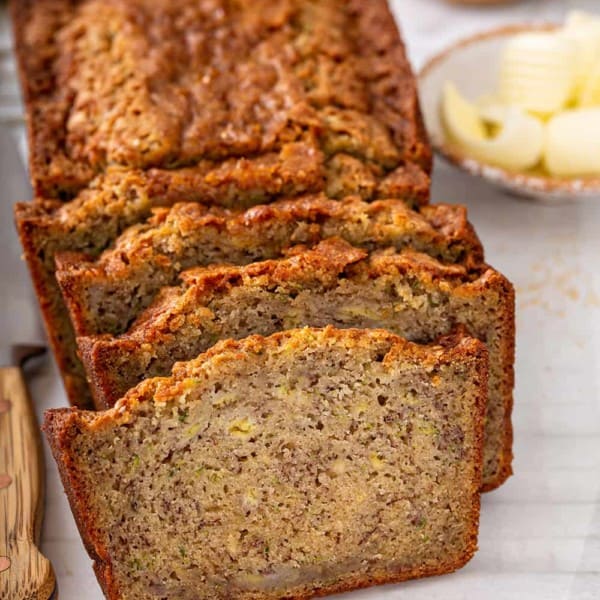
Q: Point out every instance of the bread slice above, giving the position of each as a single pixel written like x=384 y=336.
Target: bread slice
x=406 y=292
x=105 y=295
x=320 y=91
x=306 y=463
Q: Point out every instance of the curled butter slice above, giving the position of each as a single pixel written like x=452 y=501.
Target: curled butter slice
x=573 y=143
x=583 y=30
x=536 y=72
x=517 y=146
x=460 y=117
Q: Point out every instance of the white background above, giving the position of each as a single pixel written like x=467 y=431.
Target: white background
x=540 y=533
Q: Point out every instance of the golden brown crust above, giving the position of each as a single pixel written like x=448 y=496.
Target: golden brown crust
x=326 y=263
x=504 y=289
x=89 y=223
x=60 y=333
x=62 y=425
x=454 y=346
x=328 y=77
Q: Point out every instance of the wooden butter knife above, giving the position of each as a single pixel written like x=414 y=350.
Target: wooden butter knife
x=24 y=573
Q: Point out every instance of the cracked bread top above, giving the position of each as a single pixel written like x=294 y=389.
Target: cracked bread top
x=157 y=85
x=443 y=228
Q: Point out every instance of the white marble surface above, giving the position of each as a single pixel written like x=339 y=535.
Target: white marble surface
x=540 y=533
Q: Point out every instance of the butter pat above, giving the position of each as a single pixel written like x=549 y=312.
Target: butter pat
x=583 y=30
x=461 y=118
x=573 y=143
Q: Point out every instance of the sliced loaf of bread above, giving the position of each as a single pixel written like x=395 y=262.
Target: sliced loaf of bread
x=105 y=295
x=306 y=463
x=406 y=292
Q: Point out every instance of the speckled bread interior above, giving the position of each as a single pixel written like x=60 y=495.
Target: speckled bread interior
x=306 y=463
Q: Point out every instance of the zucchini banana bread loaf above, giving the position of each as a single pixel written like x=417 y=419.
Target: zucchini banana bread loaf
x=105 y=295
x=320 y=90
x=408 y=293
x=306 y=463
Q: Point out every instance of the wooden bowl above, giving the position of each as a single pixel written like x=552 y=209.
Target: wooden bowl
x=473 y=65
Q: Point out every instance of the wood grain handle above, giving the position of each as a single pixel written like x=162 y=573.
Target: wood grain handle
x=24 y=573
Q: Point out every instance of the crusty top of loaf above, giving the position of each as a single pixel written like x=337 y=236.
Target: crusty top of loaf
x=326 y=262
x=157 y=84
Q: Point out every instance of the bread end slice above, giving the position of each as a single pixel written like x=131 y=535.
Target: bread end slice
x=309 y=462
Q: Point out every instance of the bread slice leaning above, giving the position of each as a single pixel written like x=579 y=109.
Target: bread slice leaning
x=310 y=462
x=406 y=292
x=106 y=294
